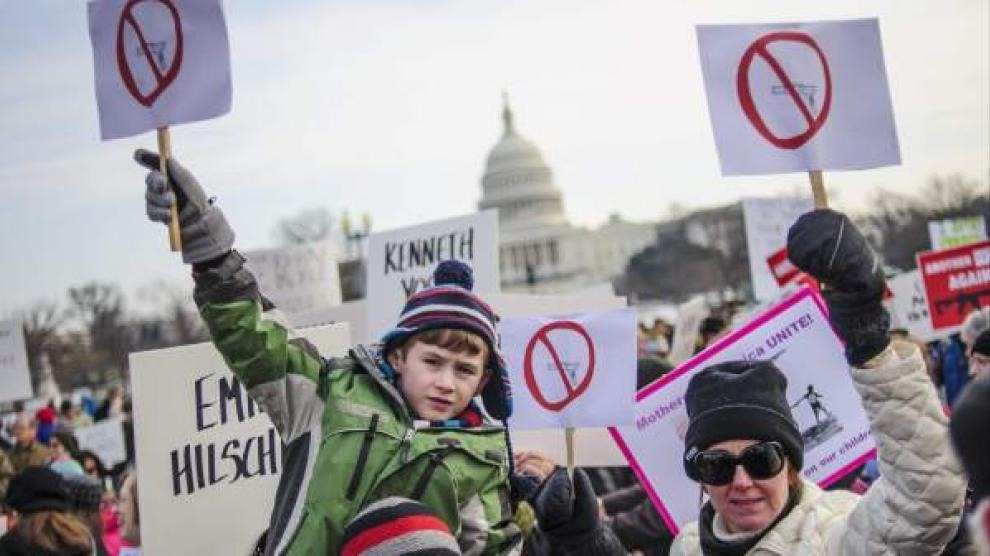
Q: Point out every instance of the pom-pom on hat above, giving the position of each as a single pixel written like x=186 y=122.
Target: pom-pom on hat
x=85 y=492
x=450 y=303
x=740 y=400
x=398 y=526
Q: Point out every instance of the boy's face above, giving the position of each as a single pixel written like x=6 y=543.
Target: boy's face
x=438 y=383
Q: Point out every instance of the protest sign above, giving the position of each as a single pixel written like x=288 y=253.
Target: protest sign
x=105 y=439
x=908 y=306
x=299 y=278
x=796 y=334
x=766 y=221
x=208 y=458
x=689 y=318
x=15 y=376
x=798 y=96
x=571 y=371
x=957 y=281
x=158 y=62
x=956 y=231
x=401 y=262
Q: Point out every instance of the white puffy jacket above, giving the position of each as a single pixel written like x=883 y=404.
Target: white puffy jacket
x=914 y=508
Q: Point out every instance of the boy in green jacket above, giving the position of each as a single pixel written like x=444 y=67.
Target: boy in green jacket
x=395 y=419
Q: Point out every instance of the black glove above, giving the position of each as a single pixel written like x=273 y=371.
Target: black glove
x=569 y=516
x=206 y=235
x=829 y=247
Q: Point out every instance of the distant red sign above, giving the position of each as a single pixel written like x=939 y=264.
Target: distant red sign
x=573 y=392
x=784 y=272
x=164 y=76
x=956 y=281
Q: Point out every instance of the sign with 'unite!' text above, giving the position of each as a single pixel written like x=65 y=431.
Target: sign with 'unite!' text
x=208 y=458
x=401 y=262
x=823 y=400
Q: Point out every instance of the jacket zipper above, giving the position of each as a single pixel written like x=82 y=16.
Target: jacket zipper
x=436 y=458
x=369 y=436
x=406 y=443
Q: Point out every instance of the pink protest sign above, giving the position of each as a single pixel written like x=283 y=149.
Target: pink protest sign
x=794 y=333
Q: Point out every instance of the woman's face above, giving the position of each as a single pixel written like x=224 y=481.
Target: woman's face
x=748 y=505
x=58 y=451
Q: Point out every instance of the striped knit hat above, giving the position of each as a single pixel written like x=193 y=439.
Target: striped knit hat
x=396 y=526
x=450 y=303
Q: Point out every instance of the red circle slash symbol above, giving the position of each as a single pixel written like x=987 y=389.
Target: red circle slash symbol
x=759 y=48
x=573 y=392
x=163 y=76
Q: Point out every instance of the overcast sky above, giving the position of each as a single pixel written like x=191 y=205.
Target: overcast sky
x=391 y=107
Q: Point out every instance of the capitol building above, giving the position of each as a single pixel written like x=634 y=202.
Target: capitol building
x=540 y=250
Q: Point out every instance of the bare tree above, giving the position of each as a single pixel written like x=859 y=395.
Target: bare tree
x=100 y=309
x=41 y=332
x=306 y=226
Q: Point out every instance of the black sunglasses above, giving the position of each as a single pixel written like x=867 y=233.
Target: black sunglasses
x=718 y=467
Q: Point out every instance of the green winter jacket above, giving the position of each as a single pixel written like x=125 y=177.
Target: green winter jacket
x=348 y=436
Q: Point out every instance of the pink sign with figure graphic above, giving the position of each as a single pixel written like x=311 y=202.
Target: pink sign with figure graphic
x=798 y=96
x=158 y=62
x=797 y=336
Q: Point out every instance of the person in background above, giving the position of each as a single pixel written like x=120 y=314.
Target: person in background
x=745 y=448
x=27 y=451
x=86 y=496
x=45 y=419
x=127 y=509
x=970 y=429
x=977 y=322
x=112 y=405
x=6 y=473
x=65 y=449
x=979 y=355
x=43 y=523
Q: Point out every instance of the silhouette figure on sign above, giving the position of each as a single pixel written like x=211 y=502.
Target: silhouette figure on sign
x=815 y=400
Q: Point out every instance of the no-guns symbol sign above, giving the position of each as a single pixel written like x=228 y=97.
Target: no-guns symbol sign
x=802 y=95
x=158 y=57
x=566 y=369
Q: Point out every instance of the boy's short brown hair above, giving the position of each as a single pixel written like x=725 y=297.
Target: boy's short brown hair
x=452 y=339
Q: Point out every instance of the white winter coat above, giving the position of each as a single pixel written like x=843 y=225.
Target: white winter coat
x=914 y=508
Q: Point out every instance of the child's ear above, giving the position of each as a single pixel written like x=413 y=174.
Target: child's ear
x=484 y=380
x=394 y=359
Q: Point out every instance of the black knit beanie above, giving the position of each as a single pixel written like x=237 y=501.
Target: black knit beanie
x=37 y=489
x=740 y=400
x=982 y=344
x=969 y=427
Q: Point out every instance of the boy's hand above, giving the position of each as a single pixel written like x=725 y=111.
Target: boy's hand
x=533 y=463
x=829 y=247
x=206 y=235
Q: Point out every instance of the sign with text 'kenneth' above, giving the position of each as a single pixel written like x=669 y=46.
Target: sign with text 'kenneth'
x=208 y=458
x=957 y=281
x=401 y=262
x=571 y=371
x=766 y=221
x=158 y=62
x=298 y=278
x=791 y=97
x=796 y=334
x=15 y=376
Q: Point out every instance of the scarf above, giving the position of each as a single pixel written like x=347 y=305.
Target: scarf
x=711 y=545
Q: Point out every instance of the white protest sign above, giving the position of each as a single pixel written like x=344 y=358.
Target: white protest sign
x=828 y=410
x=15 y=375
x=908 y=306
x=956 y=231
x=798 y=96
x=689 y=318
x=158 y=62
x=299 y=278
x=208 y=458
x=571 y=371
x=766 y=221
x=105 y=439
x=401 y=262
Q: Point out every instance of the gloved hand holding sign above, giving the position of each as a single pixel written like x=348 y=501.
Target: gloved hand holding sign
x=206 y=235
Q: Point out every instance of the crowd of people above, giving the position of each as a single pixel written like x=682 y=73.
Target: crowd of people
x=58 y=499
x=405 y=446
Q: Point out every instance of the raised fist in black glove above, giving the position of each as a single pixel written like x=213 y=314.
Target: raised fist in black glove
x=829 y=247
x=205 y=232
x=568 y=514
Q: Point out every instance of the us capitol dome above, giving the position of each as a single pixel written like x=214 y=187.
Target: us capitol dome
x=540 y=251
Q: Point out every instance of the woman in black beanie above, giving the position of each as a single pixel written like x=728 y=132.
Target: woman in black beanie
x=743 y=446
x=45 y=524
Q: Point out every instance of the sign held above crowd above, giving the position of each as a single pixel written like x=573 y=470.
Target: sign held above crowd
x=957 y=281
x=15 y=376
